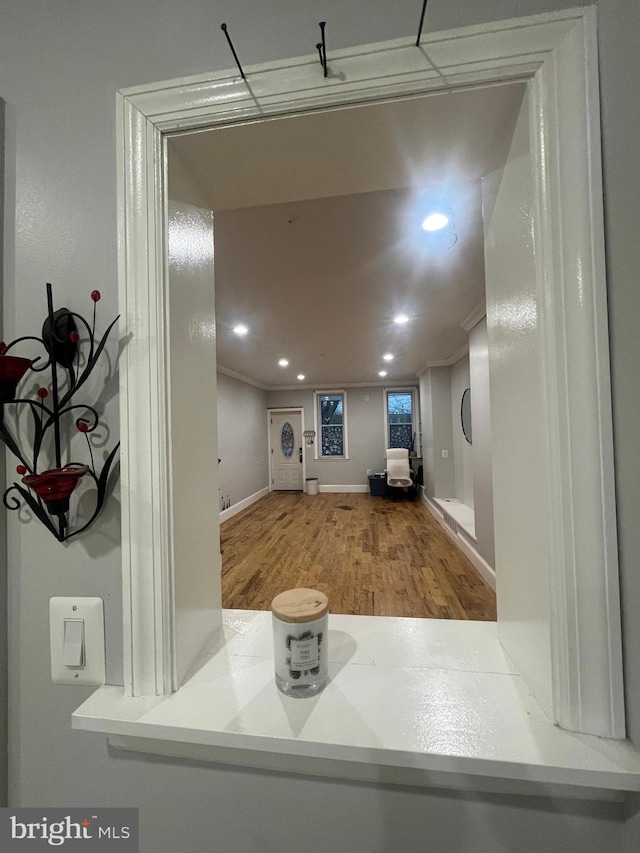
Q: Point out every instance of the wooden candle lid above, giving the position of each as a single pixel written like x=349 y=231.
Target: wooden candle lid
x=300 y=605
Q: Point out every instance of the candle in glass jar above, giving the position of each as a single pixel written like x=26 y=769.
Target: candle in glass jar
x=300 y=641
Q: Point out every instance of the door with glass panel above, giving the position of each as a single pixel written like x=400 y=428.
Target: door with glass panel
x=286 y=451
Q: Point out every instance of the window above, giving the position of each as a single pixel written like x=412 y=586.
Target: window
x=399 y=420
x=331 y=424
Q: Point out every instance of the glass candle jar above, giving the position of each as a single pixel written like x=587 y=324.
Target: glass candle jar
x=300 y=641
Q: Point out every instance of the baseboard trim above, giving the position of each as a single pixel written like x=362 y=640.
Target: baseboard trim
x=486 y=572
x=243 y=504
x=358 y=488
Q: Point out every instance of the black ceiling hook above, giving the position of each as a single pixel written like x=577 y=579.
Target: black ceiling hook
x=223 y=27
x=322 y=48
x=424 y=9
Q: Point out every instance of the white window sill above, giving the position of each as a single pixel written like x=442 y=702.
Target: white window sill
x=410 y=701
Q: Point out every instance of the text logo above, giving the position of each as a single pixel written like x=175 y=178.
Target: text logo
x=69 y=829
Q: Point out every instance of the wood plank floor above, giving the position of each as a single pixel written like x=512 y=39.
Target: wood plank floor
x=371 y=556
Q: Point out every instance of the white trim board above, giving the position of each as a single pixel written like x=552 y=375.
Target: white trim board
x=345 y=489
x=228 y=513
x=381 y=717
x=464 y=543
x=556 y=55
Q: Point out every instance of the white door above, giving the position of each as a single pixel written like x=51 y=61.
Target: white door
x=286 y=451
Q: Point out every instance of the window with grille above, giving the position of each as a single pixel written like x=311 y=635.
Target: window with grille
x=331 y=417
x=400 y=419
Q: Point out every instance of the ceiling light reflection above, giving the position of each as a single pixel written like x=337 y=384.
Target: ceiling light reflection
x=435 y=222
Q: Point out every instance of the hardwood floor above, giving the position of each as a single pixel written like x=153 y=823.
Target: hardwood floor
x=371 y=556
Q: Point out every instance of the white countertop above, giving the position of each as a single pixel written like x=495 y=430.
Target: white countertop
x=415 y=696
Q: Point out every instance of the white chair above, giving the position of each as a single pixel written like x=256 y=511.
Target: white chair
x=399 y=473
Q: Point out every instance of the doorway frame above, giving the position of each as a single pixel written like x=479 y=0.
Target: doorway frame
x=557 y=54
x=282 y=411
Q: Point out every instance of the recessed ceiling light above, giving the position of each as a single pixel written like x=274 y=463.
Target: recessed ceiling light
x=401 y=319
x=382 y=373
x=301 y=376
x=240 y=329
x=435 y=222
x=283 y=362
x=387 y=357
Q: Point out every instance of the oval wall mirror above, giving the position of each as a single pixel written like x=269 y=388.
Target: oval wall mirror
x=465 y=414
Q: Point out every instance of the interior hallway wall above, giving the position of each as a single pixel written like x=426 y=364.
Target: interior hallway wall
x=481 y=437
x=60 y=71
x=366 y=439
x=437 y=432
x=520 y=472
x=3 y=522
x=426 y=424
x=462 y=454
x=243 y=441
x=194 y=477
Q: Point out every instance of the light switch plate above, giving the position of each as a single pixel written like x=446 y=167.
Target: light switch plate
x=91 y=611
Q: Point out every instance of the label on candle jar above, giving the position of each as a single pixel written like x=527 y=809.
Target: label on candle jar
x=305 y=654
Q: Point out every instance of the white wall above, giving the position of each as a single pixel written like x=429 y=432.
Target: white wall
x=61 y=65
x=462 y=454
x=520 y=485
x=482 y=440
x=196 y=540
x=365 y=424
x=243 y=441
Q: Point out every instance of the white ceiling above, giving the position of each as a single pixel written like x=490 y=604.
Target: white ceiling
x=317 y=237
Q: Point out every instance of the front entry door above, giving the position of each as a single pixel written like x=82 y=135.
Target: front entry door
x=286 y=451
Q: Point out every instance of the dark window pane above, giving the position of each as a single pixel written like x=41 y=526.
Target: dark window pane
x=331 y=409
x=332 y=441
x=400 y=418
x=400 y=435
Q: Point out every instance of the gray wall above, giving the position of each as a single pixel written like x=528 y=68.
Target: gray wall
x=365 y=424
x=61 y=64
x=3 y=525
x=462 y=456
x=481 y=447
x=426 y=434
x=437 y=432
x=619 y=22
x=243 y=441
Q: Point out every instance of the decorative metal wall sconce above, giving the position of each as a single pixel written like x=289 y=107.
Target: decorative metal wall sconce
x=309 y=435
x=48 y=491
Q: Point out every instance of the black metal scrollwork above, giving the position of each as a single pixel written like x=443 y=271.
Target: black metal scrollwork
x=46 y=492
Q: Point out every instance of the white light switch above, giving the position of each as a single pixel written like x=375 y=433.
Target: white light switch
x=77 y=640
x=73 y=643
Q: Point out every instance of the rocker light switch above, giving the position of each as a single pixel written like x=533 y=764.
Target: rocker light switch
x=77 y=640
x=73 y=643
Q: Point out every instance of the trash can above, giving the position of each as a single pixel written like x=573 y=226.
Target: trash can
x=377 y=485
x=312 y=485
